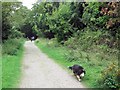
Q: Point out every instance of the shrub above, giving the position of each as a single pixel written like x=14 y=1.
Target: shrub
x=84 y=40
x=110 y=77
x=16 y=34
x=11 y=46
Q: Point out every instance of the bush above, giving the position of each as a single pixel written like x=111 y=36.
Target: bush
x=16 y=34
x=84 y=40
x=10 y=47
x=110 y=77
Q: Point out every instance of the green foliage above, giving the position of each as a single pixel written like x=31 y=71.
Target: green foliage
x=110 y=77
x=12 y=51
x=16 y=34
x=56 y=19
x=58 y=22
x=86 y=29
x=92 y=17
x=7 y=9
x=63 y=20
x=93 y=61
x=84 y=39
x=87 y=41
x=84 y=47
x=12 y=46
x=18 y=17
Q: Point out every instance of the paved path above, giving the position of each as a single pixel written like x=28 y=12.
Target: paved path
x=39 y=71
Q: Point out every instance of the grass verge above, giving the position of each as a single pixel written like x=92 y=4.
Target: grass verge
x=0 y=67
x=11 y=68
x=57 y=53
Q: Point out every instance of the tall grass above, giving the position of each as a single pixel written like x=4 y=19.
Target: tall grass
x=11 y=62
x=94 y=63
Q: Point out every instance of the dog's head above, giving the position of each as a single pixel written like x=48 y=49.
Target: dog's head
x=84 y=71
x=70 y=67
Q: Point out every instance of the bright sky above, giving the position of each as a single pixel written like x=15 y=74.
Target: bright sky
x=28 y=3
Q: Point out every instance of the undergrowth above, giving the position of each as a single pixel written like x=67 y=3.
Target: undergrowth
x=12 y=52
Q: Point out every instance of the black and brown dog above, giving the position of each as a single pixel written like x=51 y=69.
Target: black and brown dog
x=78 y=71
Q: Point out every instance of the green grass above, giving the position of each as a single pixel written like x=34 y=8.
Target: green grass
x=93 y=67
x=0 y=68
x=11 y=69
x=52 y=52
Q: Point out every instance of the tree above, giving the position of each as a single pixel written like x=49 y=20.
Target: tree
x=7 y=9
x=92 y=16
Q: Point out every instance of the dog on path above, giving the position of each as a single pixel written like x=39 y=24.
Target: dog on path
x=78 y=71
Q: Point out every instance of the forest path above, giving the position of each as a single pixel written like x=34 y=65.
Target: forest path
x=39 y=71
